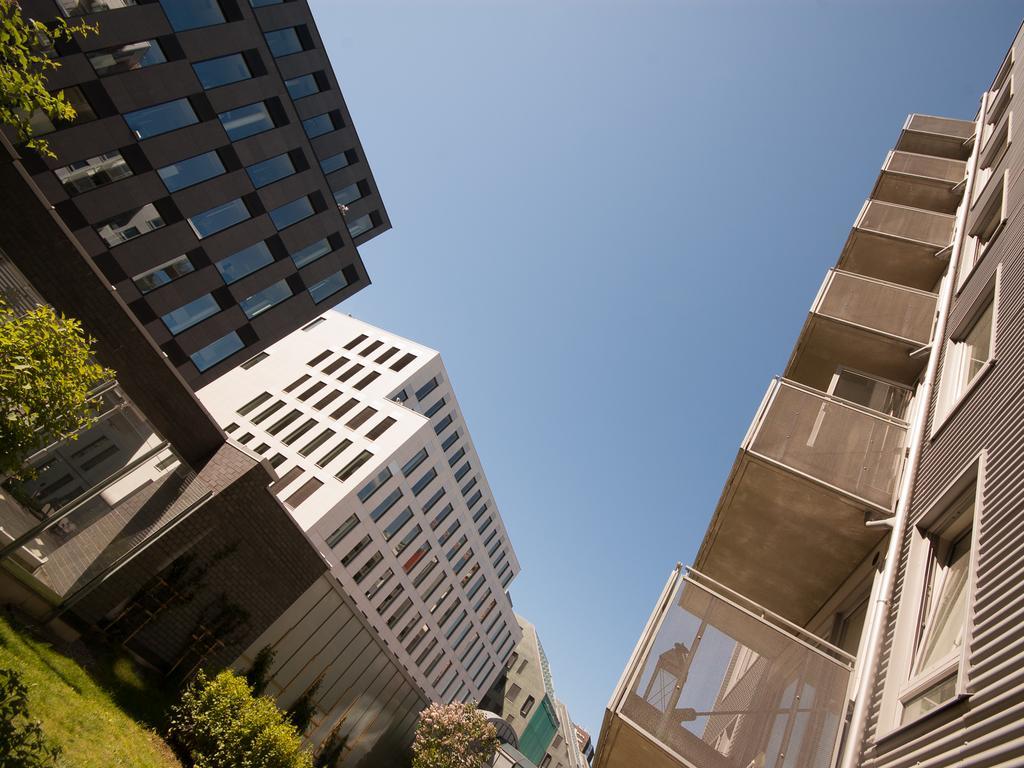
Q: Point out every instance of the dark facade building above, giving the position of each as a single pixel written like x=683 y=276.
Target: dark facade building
x=213 y=173
x=154 y=532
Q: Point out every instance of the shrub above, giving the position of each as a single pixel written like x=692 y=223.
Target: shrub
x=22 y=743
x=219 y=724
x=258 y=675
x=453 y=736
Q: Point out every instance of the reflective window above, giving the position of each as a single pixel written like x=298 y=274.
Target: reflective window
x=82 y=7
x=329 y=286
x=163 y=274
x=349 y=194
x=94 y=172
x=290 y=213
x=356 y=227
x=318 y=126
x=191 y=14
x=283 y=41
x=415 y=461
x=371 y=487
x=350 y=469
x=426 y=389
x=185 y=173
x=195 y=311
x=304 y=85
x=263 y=300
x=124 y=58
x=213 y=353
x=219 y=218
x=311 y=252
x=246 y=121
x=244 y=262
x=335 y=162
x=270 y=170
x=261 y=3
x=221 y=71
x=129 y=225
x=169 y=116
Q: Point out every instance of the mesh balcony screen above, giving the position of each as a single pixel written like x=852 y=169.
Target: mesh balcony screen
x=910 y=223
x=723 y=688
x=927 y=165
x=885 y=307
x=842 y=445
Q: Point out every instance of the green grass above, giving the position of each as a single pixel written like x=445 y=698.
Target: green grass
x=103 y=716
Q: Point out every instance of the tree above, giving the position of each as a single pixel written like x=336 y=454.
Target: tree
x=46 y=375
x=22 y=743
x=24 y=64
x=258 y=675
x=220 y=724
x=453 y=736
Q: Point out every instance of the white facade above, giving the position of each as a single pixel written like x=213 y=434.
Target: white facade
x=377 y=466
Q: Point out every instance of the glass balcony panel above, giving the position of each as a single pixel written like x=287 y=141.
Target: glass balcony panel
x=935 y=229
x=878 y=305
x=724 y=684
x=839 y=444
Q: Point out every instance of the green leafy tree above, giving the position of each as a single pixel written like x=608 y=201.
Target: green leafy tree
x=258 y=675
x=25 y=45
x=22 y=743
x=220 y=724
x=46 y=375
x=453 y=735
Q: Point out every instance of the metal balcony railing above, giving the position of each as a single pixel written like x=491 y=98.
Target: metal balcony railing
x=891 y=220
x=926 y=166
x=943 y=126
x=905 y=313
x=719 y=682
x=838 y=443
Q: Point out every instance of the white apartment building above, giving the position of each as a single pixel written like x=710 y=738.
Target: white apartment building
x=376 y=465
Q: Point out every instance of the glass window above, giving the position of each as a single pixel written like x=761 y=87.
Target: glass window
x=290 y=213
x=318 y=125
x=162 y=118
x=304 y=85
x=244 y=262
x=342 y=531
x=124 y=58
x=371 y=487
x=350 y=469
x=397 y=524
x=263 y=300
x=191 y=14
x=335 y=162
x=94 y=172
x=310 y=253
x=443 y=424
x=410 y=466
x=221 y=71
x=966 y=356
x=334 y=453
x=270 y=170
x=219 y=218
x=434 y=408
x=283 y=41
x=253 y=404
x=356 y=227
x=246 y=121
x=426 y=389
x=130 y=225
x=261 y=3
x=185 y=173
x=213 y=353
x=179 y=319
x=163 y=274
x=942 y=616
x=424 y=481
x=349 y=194
x=255 y=360
x=82 y=7
x=327 y=287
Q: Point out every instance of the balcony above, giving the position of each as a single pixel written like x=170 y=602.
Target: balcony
x=811 y=470
x=863 y=324
x=898 y=244
x=718 y=682
x=921 y=181
x=937 y=136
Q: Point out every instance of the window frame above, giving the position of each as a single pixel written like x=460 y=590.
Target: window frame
x=942 y=516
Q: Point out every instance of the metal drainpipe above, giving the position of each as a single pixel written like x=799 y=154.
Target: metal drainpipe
x=880 y=611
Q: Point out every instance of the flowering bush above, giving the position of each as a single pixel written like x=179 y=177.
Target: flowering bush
x=453 y=736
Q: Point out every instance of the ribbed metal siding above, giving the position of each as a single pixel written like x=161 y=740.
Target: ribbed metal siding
x=986 y=730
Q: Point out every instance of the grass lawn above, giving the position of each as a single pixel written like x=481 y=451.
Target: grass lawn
x=103 y=717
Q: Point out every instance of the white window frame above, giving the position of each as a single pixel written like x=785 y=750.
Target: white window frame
x=948 y=400
x=973 y=250
x=901 y=685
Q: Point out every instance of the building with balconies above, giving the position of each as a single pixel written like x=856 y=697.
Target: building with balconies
x=213 y=173
x=855 y=599
x=377 y=466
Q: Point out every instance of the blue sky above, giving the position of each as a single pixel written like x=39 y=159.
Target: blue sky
x=611 y=219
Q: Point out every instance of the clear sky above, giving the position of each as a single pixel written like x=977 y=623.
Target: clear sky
x=611 y=219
